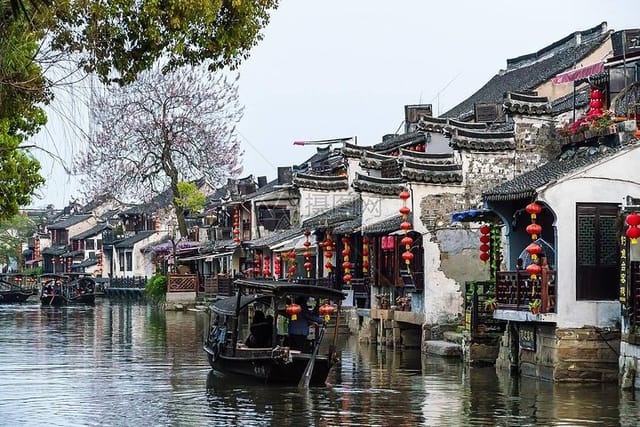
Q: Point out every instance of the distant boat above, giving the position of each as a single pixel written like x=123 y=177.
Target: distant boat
x=59 y=290
x=276 y=362
x=12 y=293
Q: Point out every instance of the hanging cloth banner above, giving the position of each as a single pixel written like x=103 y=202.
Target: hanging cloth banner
x=578 y=73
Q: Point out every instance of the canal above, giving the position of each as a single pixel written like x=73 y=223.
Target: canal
x=127 y=364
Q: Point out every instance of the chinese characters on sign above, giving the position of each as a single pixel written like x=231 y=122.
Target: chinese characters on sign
x=527 y=337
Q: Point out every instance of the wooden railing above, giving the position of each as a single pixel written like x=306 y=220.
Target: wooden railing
x=182 y=283
x=515 y=290
x=218 y=286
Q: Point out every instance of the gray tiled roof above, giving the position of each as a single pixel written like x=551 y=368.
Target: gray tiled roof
x=343 y=212
x=526 y=185
x=370 y=184
x=527 y=72
x=98 y=228
x=130 y=241
x=68 y=222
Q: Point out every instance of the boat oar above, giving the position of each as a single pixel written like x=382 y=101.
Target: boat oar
x=308 y=371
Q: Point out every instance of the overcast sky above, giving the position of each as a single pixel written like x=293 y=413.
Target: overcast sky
x=341 y=68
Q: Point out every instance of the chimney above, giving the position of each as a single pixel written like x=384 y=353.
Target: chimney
x=262 y=181
x=285 y=175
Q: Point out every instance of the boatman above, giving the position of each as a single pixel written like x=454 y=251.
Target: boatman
x=299 y=328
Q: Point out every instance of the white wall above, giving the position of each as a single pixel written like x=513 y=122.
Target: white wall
x=606 y=183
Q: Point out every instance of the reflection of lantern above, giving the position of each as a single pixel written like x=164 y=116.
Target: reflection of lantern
x=326 y=310
x=633 y=232
x=293 y=310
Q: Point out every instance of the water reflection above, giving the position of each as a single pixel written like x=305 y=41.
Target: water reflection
x=132 y=364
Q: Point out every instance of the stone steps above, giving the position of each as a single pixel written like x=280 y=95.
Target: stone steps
x=443 y=348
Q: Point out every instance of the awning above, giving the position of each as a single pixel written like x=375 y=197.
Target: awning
x=578 y=73
x=294 y=243
x=220 y=255
x=474 y=215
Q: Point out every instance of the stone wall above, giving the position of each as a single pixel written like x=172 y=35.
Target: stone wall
x=581 y=355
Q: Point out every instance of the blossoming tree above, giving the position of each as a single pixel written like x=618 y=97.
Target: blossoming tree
x=161 y=130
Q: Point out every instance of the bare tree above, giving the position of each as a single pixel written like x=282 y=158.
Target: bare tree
x=160 y=130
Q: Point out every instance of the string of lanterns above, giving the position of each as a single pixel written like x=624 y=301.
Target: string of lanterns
x=236 y=225
x=485 y=230
x=365 y=255
x=407 y=255
x=266 y=266
x=292 y=264
x=346 y=264
x=633 y=231
x=328 y=251
x=277 y=266
x=534 y=249
x=307 y=253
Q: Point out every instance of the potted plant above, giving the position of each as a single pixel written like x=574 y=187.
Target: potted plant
x=491 y=304
x=383 y=301
x=534 y=306
x=404 y=301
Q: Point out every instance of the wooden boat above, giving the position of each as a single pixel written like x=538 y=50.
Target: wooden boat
x=59 y=290
x=226 y=340
x=12 y=292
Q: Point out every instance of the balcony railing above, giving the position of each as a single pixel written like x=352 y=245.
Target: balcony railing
x=515 y=290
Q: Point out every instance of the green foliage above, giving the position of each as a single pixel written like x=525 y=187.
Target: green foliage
x=13 y=232
x=190 y=198
x=119 y=38
x=156 y=289
x=22 y=89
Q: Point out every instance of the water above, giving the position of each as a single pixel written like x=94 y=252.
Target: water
x=120 y=364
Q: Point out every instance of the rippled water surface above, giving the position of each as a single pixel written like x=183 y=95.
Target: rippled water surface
x=132 y=365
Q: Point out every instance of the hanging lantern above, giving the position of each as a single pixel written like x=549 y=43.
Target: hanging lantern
x=534 y=270
x=633 y=219
x=293 y=310
x=534 y=229
x=484 y=256
x=405 y=226
x=485 y=229
x=533 y=209
x=633 y=233
x=485 y=239
x=326 y=310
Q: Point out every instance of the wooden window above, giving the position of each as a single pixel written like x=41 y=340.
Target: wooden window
x=597 y=252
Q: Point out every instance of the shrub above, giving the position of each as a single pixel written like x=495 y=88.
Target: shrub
x=156 y=289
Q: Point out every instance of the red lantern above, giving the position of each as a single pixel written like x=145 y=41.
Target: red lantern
x=533 y=209
x=365 y=240
x=365 y=265
x=633 y=233
x=347 y=278
x=534 y=270
x=407 y=256
x=292 y=256
x=326 y=310
x=406 y=226
x=293 y=310
x=534 y=229
x=308 y=265
x=328 y=266
x=405 y=210
x=484 y=256
x=484 y=248
x=404 y=195
x=306 y=233
x=485 y=239
x=406 y=241
x=534 y=249
x=485 y=229
x=633 y=219
x=365 y=252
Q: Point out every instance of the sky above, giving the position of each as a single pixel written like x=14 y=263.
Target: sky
x=346 y=68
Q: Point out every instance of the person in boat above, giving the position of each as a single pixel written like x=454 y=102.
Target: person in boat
x=261 y=331
x=299 y=328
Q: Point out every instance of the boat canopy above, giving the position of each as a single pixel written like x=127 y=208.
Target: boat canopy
x=227 y=306
x=288 y=288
